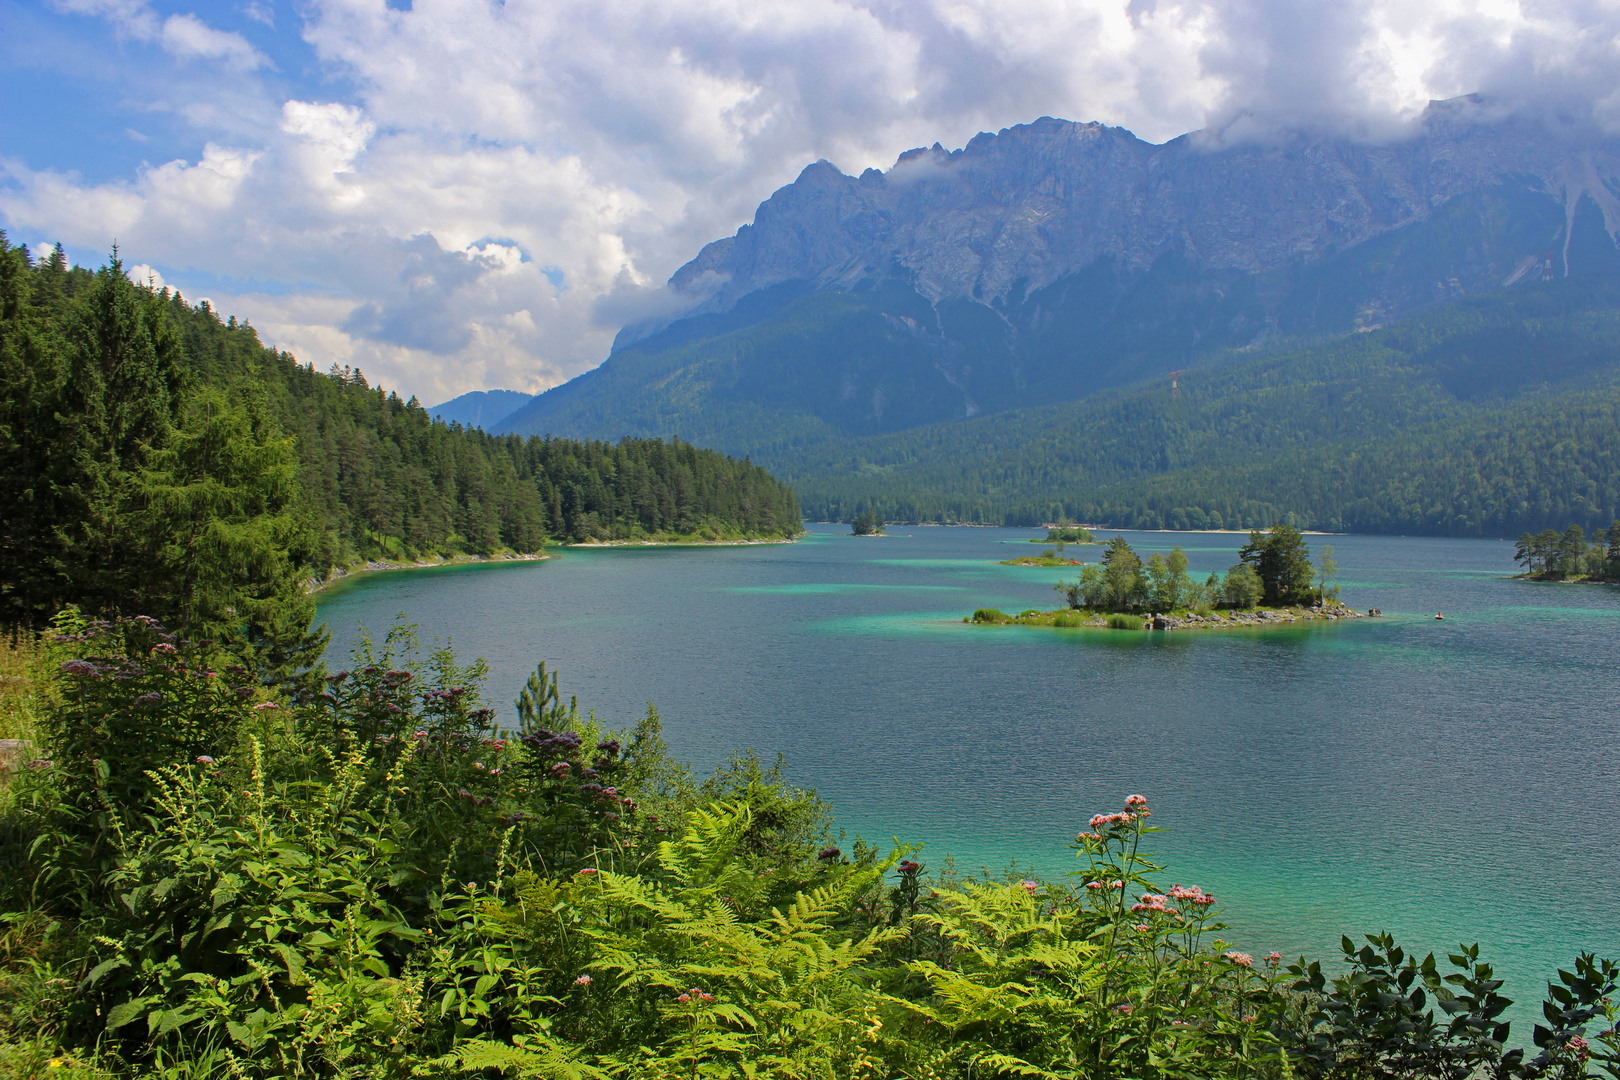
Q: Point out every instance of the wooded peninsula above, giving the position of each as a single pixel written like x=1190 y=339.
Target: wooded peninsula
x=158 y=460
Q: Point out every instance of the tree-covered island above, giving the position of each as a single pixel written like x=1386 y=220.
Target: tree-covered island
x=1570 y=555
x=1274 y=581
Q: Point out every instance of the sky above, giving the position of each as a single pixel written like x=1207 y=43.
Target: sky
x=455 y=195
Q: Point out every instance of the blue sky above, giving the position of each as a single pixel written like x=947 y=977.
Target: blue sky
x=463 y=194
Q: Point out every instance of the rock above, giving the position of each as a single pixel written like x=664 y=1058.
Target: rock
x=1019 y=209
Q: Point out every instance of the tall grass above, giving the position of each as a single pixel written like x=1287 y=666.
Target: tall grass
x=21 y=685
x=1124 y=622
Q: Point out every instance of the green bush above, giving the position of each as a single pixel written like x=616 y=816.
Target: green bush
x=1124 y=622
x=376 y=882
x=989 y=615
x=1069 y=619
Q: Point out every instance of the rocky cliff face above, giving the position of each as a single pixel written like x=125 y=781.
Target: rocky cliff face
x=1053 y=260
x=1024 y=208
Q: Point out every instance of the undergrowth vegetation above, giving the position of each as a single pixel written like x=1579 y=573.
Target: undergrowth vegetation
x=375 y=879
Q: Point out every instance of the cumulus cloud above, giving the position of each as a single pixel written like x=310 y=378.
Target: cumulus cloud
x=496 y=188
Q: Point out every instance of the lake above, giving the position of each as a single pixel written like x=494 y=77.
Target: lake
x=1449 y=781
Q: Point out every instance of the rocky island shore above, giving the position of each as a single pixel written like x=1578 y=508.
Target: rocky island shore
x=1187 y=620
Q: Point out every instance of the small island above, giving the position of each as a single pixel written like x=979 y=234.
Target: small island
x=1059 y=536
x=1273 y=583
x=1045 y=558
x=1066 y=534
x=866 y=523
x=1570 y=557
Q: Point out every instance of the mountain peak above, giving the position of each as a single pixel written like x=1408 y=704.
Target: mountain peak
x=1025 y=206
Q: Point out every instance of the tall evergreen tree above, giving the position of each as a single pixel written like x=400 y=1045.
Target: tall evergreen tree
x=1282 y=561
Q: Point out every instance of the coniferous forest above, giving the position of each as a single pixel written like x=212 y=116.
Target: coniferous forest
x=158 y=459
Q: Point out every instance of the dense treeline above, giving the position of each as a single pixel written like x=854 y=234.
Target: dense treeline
x=207 y=880
x=1487 y=416
x=1551 y=555
x=385 y=479
x=156 y=458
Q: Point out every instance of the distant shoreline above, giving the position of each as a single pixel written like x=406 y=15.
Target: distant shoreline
x=1107 y=528
x=380 y=566
x=678 y=543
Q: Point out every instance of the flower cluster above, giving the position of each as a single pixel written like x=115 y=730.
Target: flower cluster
x=694 y=994
x=1192 y=894
x=1113 y=821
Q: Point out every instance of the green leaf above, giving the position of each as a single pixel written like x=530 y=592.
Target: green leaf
x=127 y=1011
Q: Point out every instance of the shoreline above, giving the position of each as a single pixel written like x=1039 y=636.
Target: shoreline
x=1099 y=529
x=1537 y=579
x=379 y=566
x=1261 y=617
x=313 y=585
x=678 y=543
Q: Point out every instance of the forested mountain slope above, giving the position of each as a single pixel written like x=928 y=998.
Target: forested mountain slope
x=1485 y=416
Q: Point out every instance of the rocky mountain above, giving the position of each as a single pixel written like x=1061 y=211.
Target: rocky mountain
x=1054 y=259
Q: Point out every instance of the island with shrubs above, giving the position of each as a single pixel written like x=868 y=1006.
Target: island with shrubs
x=1059 y=536
x=1570 y=556
x=1274 y=582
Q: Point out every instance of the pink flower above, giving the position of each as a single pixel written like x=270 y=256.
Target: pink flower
x=1274 y=957
x=1142 y=928
x=1241 y=959
x=1126 y=1009
x=163 y=647
x=261 y=706
x=1135 y=800
x=1030 y=886
x=1099 y=820
x=205 y=760
x=583 y=980
x=1094 y=884
x=683 y=998
x=587 y=870
x=1578 y=1047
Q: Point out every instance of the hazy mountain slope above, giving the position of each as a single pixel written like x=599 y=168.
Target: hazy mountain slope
x=1055 y=259
x=1488 y=415
x=481 y=408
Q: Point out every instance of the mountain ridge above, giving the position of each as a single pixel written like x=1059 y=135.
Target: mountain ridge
x=1054 y=263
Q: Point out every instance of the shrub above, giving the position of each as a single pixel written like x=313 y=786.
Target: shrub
x=379 y=883
x=989 y=615
x=1068 y=619
x=1124 y=622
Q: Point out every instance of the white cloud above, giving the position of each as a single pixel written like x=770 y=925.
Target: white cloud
x=505 y=182
x=189 y=38
x=184 y=37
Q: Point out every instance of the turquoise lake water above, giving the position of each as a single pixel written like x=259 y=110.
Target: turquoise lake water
x=1449 y=781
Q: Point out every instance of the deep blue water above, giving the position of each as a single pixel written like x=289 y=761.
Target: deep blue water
x=1449 y=781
